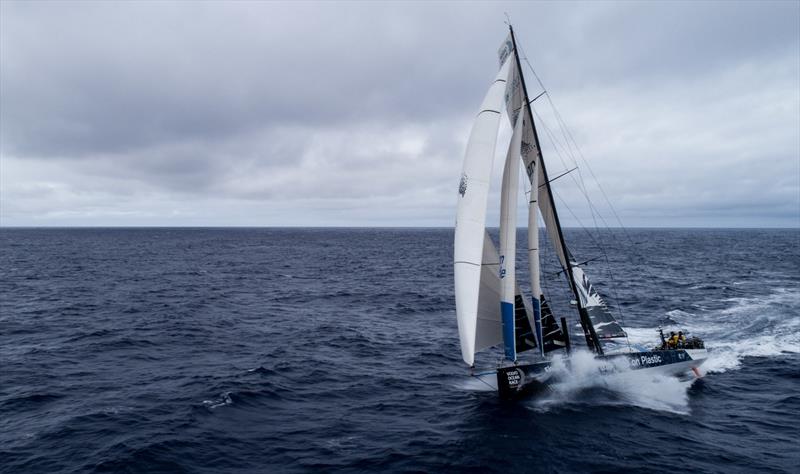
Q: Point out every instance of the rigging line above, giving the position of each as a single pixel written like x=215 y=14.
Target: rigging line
x=483 y=381
x=563 y=124
x=564 y=203
x=571 y=142
x=608 y=267
x=602 y=249
x=581 y=186
x=633 y=247
x=544 y=92
x=598 y=244
x=595 y=213
x=566 y=132
x=556 y=144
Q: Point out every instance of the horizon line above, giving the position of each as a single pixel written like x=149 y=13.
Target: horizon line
x=364 y=227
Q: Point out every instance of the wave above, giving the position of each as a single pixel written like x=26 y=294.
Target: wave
x=27 y=401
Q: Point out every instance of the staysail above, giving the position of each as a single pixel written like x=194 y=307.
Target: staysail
x=470 y=228
x=508 y=241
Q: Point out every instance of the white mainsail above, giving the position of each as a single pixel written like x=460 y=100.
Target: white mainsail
x=471 y=215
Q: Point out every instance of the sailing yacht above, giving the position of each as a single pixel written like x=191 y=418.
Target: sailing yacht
x=490 y=307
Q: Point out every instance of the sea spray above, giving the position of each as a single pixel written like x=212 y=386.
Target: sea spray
x=583 y=379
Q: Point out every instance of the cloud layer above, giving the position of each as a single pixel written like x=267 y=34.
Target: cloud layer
x=357 y=114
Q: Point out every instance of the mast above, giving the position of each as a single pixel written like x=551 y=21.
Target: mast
x=586 y=322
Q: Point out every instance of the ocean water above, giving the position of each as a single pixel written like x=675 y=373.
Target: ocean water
x=292 y=350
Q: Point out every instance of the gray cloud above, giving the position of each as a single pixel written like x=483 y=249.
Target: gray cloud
x=357 y=114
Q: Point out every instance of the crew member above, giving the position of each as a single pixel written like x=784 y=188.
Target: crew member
x=681 y=339
x=672 y=342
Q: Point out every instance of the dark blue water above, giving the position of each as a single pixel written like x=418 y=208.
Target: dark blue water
x=260 y=350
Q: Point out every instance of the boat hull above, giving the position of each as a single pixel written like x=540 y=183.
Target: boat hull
x=528 y=379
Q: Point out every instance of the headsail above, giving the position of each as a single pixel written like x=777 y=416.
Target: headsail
x=470 y=229
x=508 y=241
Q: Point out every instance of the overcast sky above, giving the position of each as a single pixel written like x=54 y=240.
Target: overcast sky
x=357 y=114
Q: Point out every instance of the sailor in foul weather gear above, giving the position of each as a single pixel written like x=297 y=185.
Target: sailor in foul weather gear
x=673 y=340
x=681 y=339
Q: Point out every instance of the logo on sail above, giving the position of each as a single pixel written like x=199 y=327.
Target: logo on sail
x=512 y=89
x=462 y=185
x=525 y=148
x=505 y=50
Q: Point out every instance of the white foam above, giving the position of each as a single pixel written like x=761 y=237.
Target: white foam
x=224 y=400
x=622 y=387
